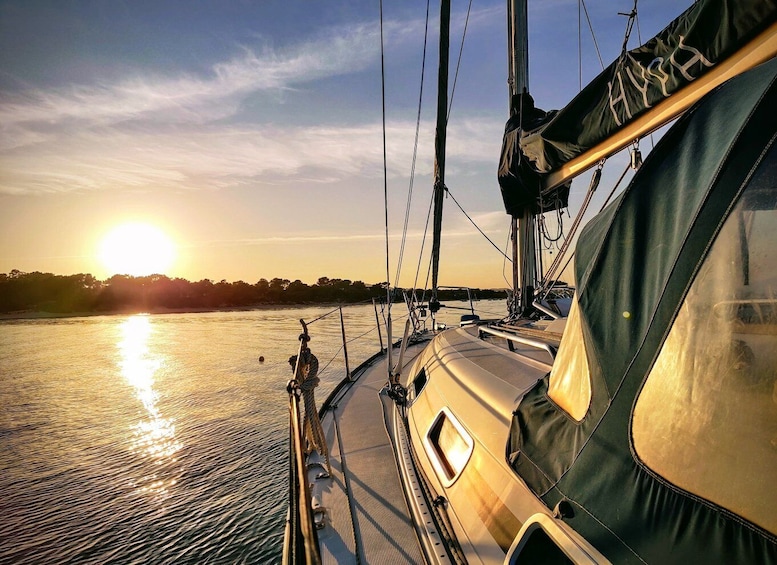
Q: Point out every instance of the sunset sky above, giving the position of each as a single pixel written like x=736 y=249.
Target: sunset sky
x=249 y=132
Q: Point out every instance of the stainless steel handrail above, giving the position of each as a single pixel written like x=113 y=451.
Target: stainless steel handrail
x=542 y=308
x=518 y=339
x=301 y=545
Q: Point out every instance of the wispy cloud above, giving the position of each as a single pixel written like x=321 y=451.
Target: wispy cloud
x=222 y=157
x=173 y=132
x=460 y=231
x=189 y=97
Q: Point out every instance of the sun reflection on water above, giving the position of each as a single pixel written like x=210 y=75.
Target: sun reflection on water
x=152 y=438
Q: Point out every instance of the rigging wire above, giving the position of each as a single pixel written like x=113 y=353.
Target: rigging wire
x=593 y=35
x=595 y=178
x=447 y=117
x=385 y=193
x=415 y=153
x=447 y=190
x=614 y=188
x=579 y=46
x=458 y=62
x=428 y=277
x=415 y=150
x=639 y=38
x=639 y=32
x=554 y=267
x=506 y=259
x=322 y=316
x=632 y=16
x=423 y=244
x=385 y=165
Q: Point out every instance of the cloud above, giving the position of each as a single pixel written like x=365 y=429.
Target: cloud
x=461 y=231
x=213 y=95
x=173 y=132
x=222 y=156
x=193 y=98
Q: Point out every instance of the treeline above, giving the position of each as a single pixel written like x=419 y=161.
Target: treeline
x=46 y=292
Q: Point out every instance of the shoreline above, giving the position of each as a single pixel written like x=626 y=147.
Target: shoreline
x=40 y=315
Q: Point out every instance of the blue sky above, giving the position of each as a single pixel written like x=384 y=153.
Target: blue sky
x=250 y=132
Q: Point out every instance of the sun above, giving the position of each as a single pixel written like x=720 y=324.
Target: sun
x=137 y=249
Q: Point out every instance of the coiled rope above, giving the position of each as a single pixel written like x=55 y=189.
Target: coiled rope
x=307 y=377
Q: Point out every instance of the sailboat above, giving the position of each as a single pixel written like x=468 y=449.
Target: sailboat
x=640 y=424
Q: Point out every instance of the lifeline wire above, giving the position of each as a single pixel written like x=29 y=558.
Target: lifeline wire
x=326 y=314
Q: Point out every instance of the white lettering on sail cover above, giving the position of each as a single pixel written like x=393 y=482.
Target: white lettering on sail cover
x=640 y=82
x=698 y=57
x=655 y=69
x=655 y=75
x=647 y=76
x=621 y=98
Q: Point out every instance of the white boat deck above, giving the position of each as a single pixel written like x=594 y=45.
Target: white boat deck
x=366 y=512
x=366 y=515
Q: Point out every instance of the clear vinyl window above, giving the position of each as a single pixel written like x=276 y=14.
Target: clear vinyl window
x=570 y=379
x=706 y=419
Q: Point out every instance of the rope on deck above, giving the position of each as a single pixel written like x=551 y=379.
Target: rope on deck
x=307 y=377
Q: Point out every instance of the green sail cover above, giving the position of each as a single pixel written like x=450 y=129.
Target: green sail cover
x=703 y=36
x=518 y=181
x=634 y=265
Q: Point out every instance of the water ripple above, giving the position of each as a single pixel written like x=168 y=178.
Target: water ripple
x=150 y=439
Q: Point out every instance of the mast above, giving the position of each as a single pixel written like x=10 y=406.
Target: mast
x=523 y=228
x=518 y=47
x=440 y=135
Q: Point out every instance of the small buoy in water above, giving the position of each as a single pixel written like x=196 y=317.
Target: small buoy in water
x=261 y=358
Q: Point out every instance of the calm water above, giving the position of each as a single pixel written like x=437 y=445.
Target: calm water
x=155 y=438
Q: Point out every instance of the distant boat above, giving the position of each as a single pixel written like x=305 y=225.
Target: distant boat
x=634 y=421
